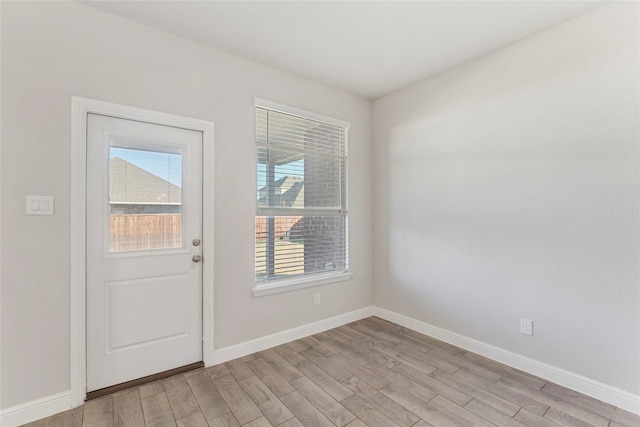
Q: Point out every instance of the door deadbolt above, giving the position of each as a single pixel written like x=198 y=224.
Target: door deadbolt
x=196 y=242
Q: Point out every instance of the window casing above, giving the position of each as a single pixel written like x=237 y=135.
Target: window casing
x=301 y=214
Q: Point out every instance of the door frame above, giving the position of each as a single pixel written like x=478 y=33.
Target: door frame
x=80 y=108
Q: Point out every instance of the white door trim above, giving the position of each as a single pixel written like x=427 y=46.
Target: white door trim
x=80 y=107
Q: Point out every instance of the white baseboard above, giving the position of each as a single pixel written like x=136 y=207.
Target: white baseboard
x=250 y=347
x=51 y=405
x=45 y=407
x=579 y=383
x=36 y=409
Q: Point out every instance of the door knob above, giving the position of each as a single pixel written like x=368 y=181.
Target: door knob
x=196 y=258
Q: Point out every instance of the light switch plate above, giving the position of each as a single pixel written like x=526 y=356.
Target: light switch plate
x=39 y=205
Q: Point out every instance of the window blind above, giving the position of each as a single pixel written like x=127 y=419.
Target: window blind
x=301 y=215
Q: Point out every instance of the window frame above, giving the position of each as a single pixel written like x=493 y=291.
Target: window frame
x=278 y=285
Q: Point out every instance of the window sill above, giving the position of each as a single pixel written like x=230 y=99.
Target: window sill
x=288 y=285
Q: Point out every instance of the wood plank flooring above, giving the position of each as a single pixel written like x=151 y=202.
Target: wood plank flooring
x=366 y=373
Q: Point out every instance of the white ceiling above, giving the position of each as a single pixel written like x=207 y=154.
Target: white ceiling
x=370 y=48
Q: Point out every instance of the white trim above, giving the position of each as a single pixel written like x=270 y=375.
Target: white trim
x=250 y=347
x=300 y=211
x=1 y=416
x=270 y=105
x=36 y=409
x=80 y=107
x=60 y=402
x=51 y=405
x=208 y=243
x=302 y=282
x=601 y=391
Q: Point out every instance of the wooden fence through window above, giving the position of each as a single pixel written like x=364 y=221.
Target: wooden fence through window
x=282 y=226
x=143 y=232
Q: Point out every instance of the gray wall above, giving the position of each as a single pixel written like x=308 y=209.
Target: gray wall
x=505 y=188
x=509 y=187
x=53 y=50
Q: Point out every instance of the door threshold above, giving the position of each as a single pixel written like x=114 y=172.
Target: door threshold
x=144 y=380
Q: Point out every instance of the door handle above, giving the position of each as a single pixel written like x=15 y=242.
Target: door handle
x=196 y=258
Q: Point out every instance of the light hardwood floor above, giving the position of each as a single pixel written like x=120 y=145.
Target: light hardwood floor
x=366 y=373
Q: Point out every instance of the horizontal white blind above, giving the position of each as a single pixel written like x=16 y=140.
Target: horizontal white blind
x=298 y=133
x=301 y=217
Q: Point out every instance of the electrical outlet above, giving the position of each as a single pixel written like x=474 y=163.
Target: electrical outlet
x=526 y=327
x=316 y=299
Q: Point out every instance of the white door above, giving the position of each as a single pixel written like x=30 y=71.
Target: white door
x=144 y=275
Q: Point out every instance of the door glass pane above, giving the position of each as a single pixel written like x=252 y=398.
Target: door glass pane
x=145 y=198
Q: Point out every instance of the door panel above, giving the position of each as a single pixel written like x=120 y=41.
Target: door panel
x=144 y=208
x=143 y=311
